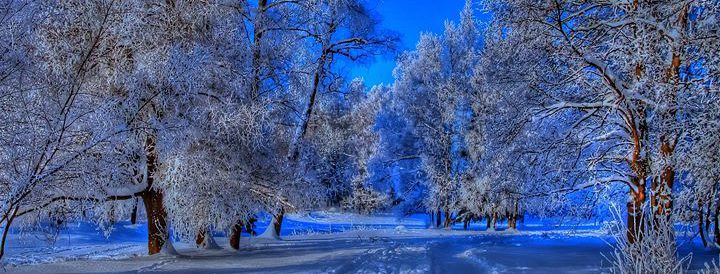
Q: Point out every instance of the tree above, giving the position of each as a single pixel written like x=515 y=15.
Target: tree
x=108 y=96
x=607 y=62
x=344 y=139
x=331 y=31
x=431 y=84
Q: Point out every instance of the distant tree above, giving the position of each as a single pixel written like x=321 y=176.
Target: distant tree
x=431 y=85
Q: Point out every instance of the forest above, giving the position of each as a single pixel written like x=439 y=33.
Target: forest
x=235 y=128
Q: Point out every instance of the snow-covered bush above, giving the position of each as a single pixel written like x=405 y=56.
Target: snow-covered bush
x=653 y=250
x=711 y=268
x=365 y=200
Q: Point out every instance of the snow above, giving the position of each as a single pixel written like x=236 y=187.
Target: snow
x=371 y=244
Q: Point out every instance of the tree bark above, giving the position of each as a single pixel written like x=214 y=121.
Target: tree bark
x=235 y=233
x=157 y=223
x=153 y=201
x=708 y=211
x=494 y=221
x=701 y=223
x=200 y=238
x=716 y=231
x=635 y=220
x=133 y=214
x=512 y=221
x=438 y=220
x=277 y=222
x=448 y=219
x=258 y=30
x=6 y=230
x=662 y=201
x=317 y=79
x=638 y=164
x=432 y=219
x=512 y=217
x=250 y=226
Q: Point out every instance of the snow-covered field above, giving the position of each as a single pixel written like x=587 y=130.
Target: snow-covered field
x=323 y=242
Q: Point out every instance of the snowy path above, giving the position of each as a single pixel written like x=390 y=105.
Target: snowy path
x=381 y=251
x=309 y=247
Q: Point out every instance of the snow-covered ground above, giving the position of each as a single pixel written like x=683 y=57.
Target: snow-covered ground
x=324 y=242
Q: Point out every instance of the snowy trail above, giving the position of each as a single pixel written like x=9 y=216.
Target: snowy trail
x=381 y=251
x=312 y=246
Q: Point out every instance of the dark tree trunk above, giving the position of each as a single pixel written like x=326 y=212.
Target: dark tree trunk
x=250 y=226
x=256 y=48
x=6 y=230
x=200 y=238
x=701 y=222
x=512 y=217
x=277 y=222
x=235 y=233
x=438 y=220
x=448 y=219
x=157 y=224
x=153 y=201
x=512 y=222
x=133 y=214
x=317 y=81
x=716 y=231
x=708 y=211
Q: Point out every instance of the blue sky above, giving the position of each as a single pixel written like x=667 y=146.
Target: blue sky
x=409 y=18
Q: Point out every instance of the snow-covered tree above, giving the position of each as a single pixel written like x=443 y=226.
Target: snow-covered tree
x=617 y=68
x=431 y=83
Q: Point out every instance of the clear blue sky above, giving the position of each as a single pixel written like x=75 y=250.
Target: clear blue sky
x=408 y=18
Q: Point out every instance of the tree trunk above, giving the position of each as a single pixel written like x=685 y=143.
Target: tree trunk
x=432 y=219
x=708 y=211
x=200 y=238
x=489 y=222
x=448 y=219
x=701 y=223
x=512 y=218
x=157 y=223
x=635 y=224
x=302 y=130
x=716 y=231
x=494 y=221
x=512 y=222
x=438 y=220
x=153 y=201
x=133 y=214
x=235 y=233
x=6 y=230
x=662 y=202
x=250 y=226
x=466 y=224
x=258 y=30
x=277 y=222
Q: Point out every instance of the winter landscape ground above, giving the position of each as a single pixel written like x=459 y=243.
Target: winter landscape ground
x=324 y=242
